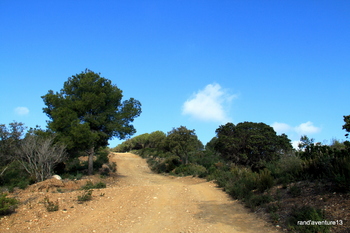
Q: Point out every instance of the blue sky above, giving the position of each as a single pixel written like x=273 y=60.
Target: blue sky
x=198 y=64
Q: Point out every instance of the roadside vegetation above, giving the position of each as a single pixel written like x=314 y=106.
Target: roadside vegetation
x=255 y=165
x=83 y=116
x=248 y=160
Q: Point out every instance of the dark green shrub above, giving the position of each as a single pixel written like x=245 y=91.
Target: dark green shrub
x=15 y=176
x=101 y=158
x=74 y=165
x=190 y=169
x=287 y=169
x=295 y=191
x=70 y=176
x=86 y=196
x=166 y=165
x=253 y=201
x=340 y=174
x=90 y=185
x=264 y=180
x=271 y=208
x=238 y=182
x=306 y=213
x=7 y=205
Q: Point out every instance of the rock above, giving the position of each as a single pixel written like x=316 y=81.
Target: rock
x=57 y=177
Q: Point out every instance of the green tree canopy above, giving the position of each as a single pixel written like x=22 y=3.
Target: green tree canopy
x=346 y=126
x=250 y=143
x=156 y=139
x=10 y=138
x=182 y=142
x=88 y=111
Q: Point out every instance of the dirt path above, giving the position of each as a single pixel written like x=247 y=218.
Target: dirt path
x=141 y=201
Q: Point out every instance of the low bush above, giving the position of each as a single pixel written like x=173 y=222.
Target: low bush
x=264 y=180
x=340 y=173
x=101 y=158
x=300 y=215
x=107 y=168
x=15 y=176
x=161 y=165
x=253 y=201
x=71 y=176
x=7 y=204
x=190 y=170
x=90 y=185
x=287 y=169
x=294 y=191
x=86 y=196
x=75 y=166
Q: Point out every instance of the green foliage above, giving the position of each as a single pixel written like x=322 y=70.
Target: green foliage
x=86 y=196
x=256 y=200
x=237 y=181
x=71 y=176
x=10 y=138
x=307 y=213
x=141 y=141
x=340 y=175
x=250 y=144
x=327 y=163
x=337 y=144
x=294 y=190
x=15 y=176
x=88 y=111
x=156 y=139
x=264 y=180
x=287 y=169
x=50 y=205
x=346 y=126
x=182 y=142
x=101 y=158
x=190 y=170
x=166 y=165
x=7 y=205
x=90 y=185
x=305 y=141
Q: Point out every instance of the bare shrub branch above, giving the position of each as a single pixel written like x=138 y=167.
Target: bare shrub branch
x=39 y=156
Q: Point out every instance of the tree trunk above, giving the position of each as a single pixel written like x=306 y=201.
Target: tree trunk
x=91 y=160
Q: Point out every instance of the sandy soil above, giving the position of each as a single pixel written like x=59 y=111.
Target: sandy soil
x=137 y=200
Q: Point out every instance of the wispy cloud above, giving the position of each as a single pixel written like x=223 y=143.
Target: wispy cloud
x=281 y=127
x=209 y=104
x=22 y=111
x=306 y=128
x=302 y=129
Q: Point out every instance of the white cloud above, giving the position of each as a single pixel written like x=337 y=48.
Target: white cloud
x=302 y=129
x=295 y=144
x=307 y=128
x=209 y=104
x=281 y=127
x=22 y=111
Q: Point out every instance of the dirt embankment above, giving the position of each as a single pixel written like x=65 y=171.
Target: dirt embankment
x=137 y=200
